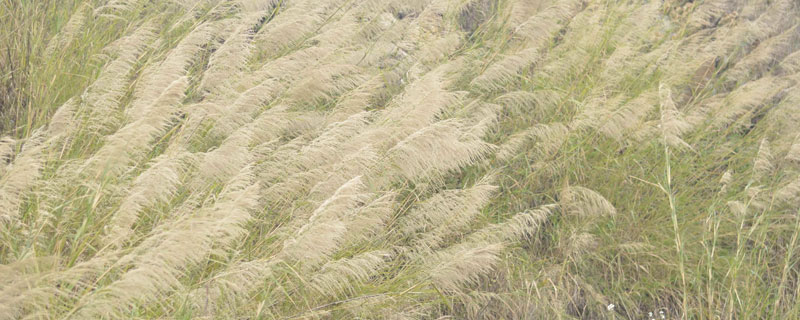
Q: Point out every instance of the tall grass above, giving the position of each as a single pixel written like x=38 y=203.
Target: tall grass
x=399 y=159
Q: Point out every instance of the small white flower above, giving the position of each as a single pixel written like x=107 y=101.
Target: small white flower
x=663 y=316
x=610 y=307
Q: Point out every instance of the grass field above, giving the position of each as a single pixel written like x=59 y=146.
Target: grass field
x=393 y=159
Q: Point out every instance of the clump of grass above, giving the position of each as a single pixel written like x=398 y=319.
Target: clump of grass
x=399 y=159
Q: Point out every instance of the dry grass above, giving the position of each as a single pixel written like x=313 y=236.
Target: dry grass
x=343 y=159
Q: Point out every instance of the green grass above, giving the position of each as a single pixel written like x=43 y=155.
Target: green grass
x=675 y=242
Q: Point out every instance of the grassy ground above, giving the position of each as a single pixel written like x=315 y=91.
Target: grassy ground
x=400 y=159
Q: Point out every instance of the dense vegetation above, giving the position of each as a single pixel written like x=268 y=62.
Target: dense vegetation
x=400 y=159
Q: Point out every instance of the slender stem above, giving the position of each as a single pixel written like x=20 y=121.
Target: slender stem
x=676 y=228
x=787 y=263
